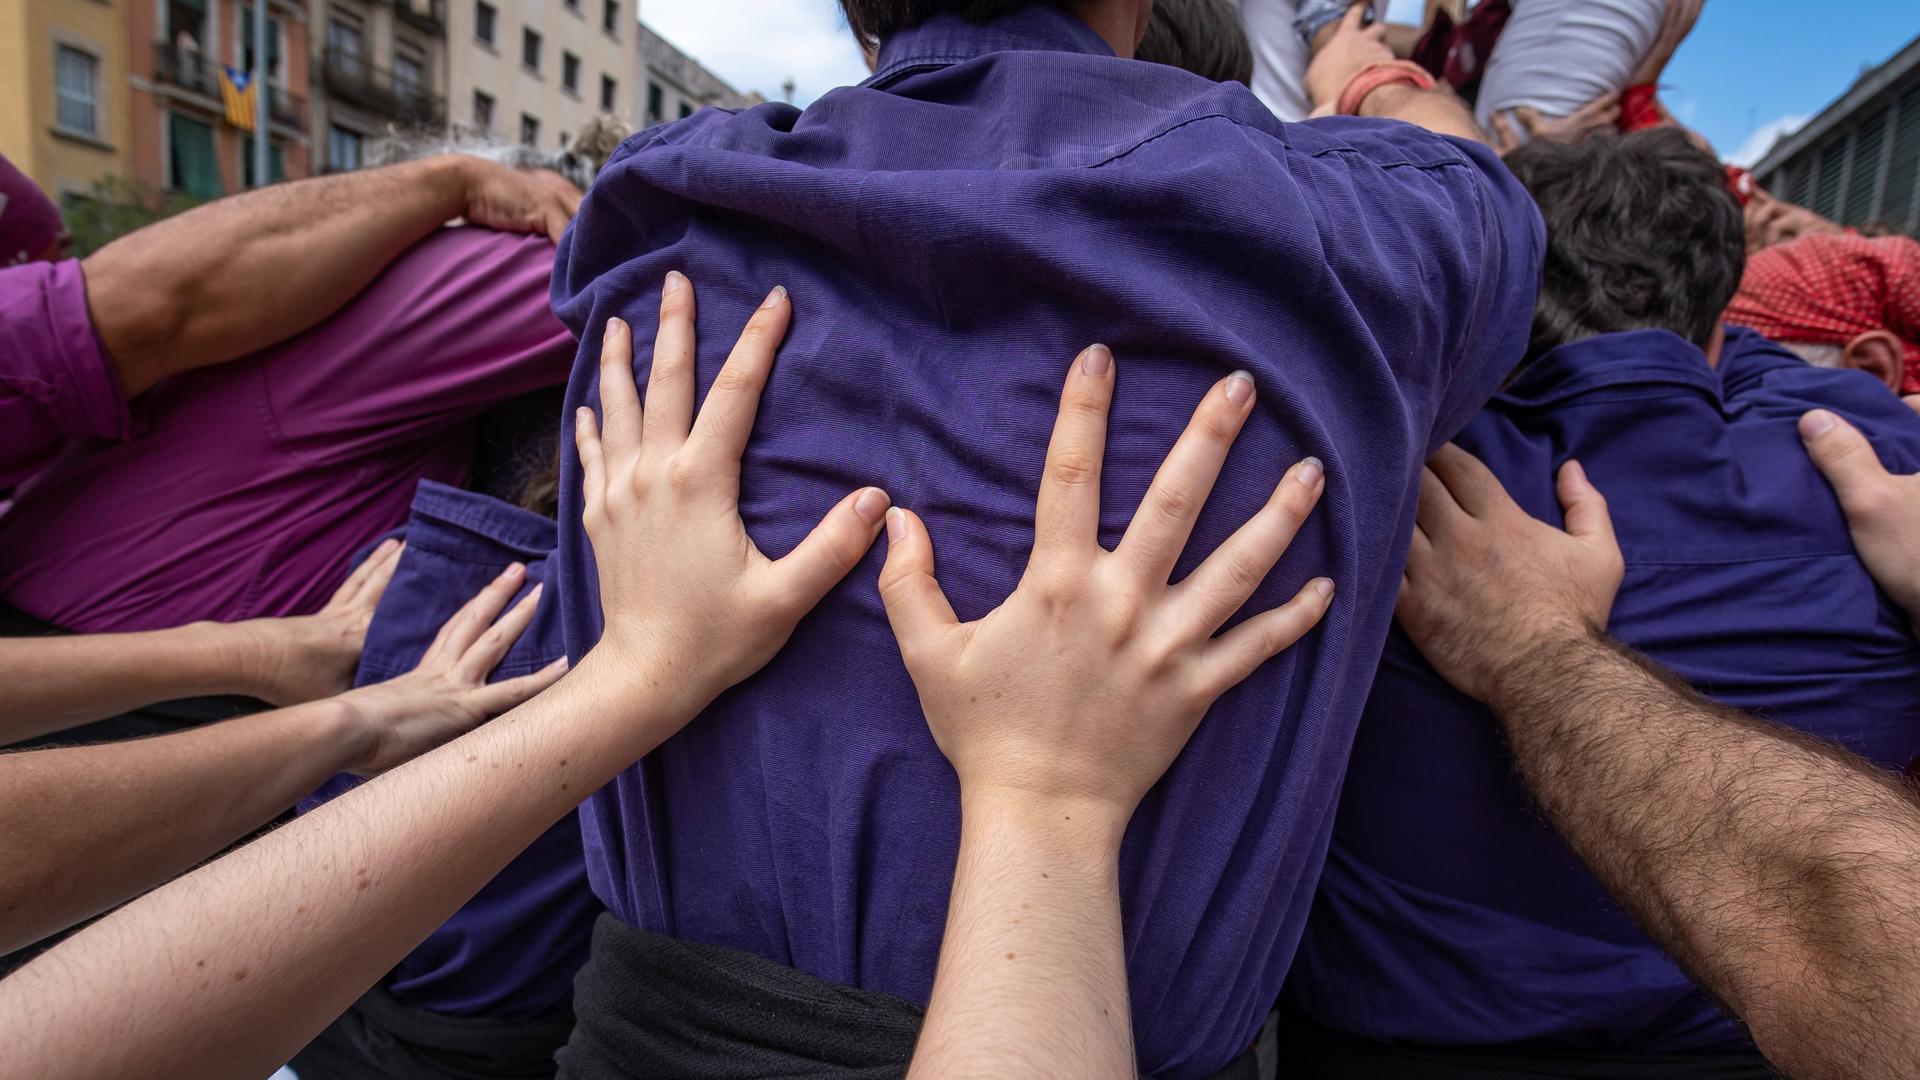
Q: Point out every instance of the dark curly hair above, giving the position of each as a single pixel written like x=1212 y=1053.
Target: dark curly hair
x=1205 y=37
x=1642 y=233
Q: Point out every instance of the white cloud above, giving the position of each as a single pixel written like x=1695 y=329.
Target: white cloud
x=759 y=44
x=1761 y=140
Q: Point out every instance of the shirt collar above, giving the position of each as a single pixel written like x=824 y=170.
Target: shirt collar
x=949 y=39
x=1629 y=357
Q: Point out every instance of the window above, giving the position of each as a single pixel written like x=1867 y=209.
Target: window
x=345 y=45
x=73 y=78
x=484 y=17
x=570 y=73
x=530 y=49
x=686 y=110
x=343 y=149
x=276 y=73
x=482 y=111
x=191 y=166
x=529 y=130
x=656 y=103
x=608 y=91
x=610 y=18
x=409 y=75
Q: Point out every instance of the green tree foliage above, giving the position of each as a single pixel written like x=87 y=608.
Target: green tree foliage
x=114 y=207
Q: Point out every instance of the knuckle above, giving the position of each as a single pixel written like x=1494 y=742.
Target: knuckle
x=732 y=380
x=684 y=474
x=1073 y=467
x=1175 y=502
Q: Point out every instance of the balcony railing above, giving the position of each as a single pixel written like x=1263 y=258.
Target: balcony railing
x=349 y=76
x=428 y=16
x=189 y=70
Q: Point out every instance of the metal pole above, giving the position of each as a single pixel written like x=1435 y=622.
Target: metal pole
x=260 y=92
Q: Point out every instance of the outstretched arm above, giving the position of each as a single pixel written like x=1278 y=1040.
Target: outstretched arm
x=86 y=827
x=59 y=682
x=1783 y=872
x=236 y=275
x=231 y=969
x=1059 y=709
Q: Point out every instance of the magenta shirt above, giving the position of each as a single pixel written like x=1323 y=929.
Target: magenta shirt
x=55 y=381
x=255 y=481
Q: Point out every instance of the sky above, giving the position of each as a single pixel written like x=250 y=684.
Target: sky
x=1751 y=69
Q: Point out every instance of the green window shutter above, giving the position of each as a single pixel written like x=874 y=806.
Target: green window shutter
x=1869 y=140
x=193 y=167
x=1903 y=175
x=276 y=161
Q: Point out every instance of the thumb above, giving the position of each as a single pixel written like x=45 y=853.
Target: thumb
x=830 y=551
x=916 y=607
x=1585 y=507
x=1842 y=455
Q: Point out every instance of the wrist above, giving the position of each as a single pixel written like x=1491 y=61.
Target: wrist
x=449 y=180
x=345 y=726
x=1549 y=650
x=1373 y=90
x=1091 y=827
x=237 y=659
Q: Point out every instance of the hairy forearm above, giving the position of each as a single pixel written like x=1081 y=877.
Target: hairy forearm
x=231 y=969
x=83 y=828
x=1032 y=977
x=59 y=682
x=226 y=279
x=1783 y=872
x=1439 y=111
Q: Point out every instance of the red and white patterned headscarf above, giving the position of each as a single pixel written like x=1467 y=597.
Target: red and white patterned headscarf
x=1828 y=289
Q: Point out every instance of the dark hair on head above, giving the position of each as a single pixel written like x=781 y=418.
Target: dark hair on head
x=873 y=21
x=1205 y=37
x=1642 y=233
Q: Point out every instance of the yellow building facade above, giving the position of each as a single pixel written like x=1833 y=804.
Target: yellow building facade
x=64 y=103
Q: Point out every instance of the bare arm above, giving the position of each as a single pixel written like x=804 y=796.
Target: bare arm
x=55 y=683
x=1781 y=871
x=86 y=827
x=231 y=277
x=1347 y=48
x=229 y=970
x=1059 y=709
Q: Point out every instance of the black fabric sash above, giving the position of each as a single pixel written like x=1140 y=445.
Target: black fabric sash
x=648 y=1005
x=1311 y=1052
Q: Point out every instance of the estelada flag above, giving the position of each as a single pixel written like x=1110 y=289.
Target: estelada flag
x=237 y=92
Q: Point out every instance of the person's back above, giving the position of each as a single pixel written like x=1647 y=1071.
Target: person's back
x=952 y=233
x=1453 y=927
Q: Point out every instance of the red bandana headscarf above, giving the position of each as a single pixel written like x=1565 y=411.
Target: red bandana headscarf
x=1828 y=289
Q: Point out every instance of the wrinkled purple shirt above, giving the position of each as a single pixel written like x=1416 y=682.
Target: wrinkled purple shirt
x=255 y=481
x=56 y=383
x=511 y=952
x=952 y=233
x=1449 y=912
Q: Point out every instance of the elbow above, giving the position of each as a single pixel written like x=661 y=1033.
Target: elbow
x=141 y=320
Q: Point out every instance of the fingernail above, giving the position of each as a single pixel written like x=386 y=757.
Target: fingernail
x=580 y=414
x=1309 y=471
x=386 y=545
x=533 y=594
x=1096 y=361
x=675 y=279
x=616 y=324
x=896 y=525
x=1579 y=471
x=1816 y=423
x=870 y=504
x=1324 y=586
x=1239 y=388
x=513 y=570
x=778 y=294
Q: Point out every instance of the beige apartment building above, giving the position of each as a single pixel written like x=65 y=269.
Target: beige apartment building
x=380 y=66
x=64 y=117
x=535 y=71
x=674 y=85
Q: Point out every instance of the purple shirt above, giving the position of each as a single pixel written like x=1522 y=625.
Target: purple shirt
x=56 y=383
x=510 y=952
x=1449 y=913
x=256 y=480
x=952 y=233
